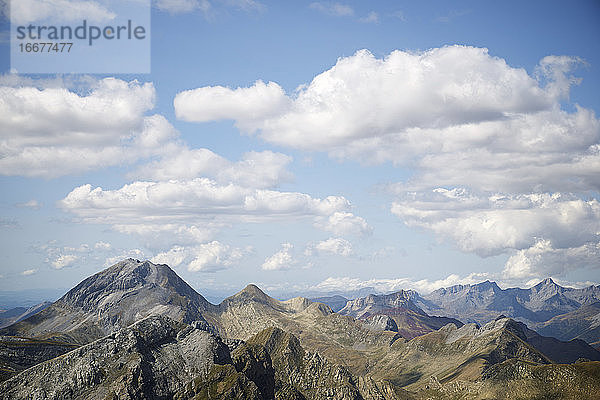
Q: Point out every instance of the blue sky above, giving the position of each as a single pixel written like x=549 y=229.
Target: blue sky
x=315 y=147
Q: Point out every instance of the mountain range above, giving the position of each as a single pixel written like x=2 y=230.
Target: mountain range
x=137 y=330
x=541 y=307
x=408 y=319
x=550 y=309
x=583 y=323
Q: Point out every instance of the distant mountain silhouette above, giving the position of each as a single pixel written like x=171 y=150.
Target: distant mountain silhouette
x=484 y=301
x=336 y=302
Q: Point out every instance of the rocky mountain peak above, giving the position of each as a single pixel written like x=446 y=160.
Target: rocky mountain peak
x=548 y=290
x=250 y=293
x=253 y=290
x=405 y=294
x=150 y=359
x=548 y=282
x=127 y=276
x=156 y=341
x=115 y=298
x=449 y=290
x=381 y=323
x=485 y=286
x=297 y=304
x=336 y=302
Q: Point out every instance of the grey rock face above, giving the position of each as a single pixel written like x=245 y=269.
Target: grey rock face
x=558 y=351
x=583 y=323
x=171 y=352
x=381 y=323
x=113 y=299
x=374 y=304
x=553 y=349
x=255 y=363
x=153 y=358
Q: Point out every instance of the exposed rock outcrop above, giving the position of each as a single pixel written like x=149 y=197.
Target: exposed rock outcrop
x=381 y=323
x=307 y=375
x=153 y=358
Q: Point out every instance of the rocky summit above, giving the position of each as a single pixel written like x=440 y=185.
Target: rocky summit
x=138 y=331
x=112 y=299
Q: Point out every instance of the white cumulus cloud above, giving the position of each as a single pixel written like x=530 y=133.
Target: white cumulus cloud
x=542 y=259
x=344 y=223
x=173 y=257
x=264 y=169
x=283 y=259
x=64 y=260
x=499 y=164
x=337 y=246
x=250 y=105
x=493 y=224
x=29 y=272
x=544 y=233
x=214 y=256
x=200 y=198
x=205 y=257
x=165 y=235
x=364 y=97
x=190 y=212
x=54 y=131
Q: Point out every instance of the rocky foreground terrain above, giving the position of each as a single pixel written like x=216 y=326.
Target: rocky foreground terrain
x=137 y=331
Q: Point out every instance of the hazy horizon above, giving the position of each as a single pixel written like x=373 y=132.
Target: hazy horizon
x=34 y=296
